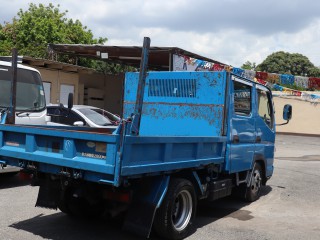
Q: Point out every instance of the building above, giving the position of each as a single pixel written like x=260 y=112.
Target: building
x=87 y=85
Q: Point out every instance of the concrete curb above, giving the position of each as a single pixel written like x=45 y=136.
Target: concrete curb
x=299 y=134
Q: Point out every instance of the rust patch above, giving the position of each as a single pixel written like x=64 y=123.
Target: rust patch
x=177 y=104
x=210 y=113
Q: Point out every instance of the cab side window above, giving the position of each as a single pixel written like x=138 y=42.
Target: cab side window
x=242 y=98
x=265 y=107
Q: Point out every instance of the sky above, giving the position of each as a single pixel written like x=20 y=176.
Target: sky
x=228 y=31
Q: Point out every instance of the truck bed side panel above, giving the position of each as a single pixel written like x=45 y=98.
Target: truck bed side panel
x=53 y=150
x=149 y=155
x=179 y=103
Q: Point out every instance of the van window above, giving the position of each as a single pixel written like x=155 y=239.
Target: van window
x=265 y=107
x=242 y=98
x=30 y=94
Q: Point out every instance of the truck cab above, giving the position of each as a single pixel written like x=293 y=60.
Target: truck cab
x=251 y=128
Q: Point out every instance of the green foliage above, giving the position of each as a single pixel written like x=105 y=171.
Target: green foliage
x=111 y=68
x=314 y=72
x=249 y=65
x=32 y=30
x=6 y=36
x=288 y=63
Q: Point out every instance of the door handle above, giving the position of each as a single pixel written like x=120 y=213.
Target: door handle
x=258 y=139
x=236 y=139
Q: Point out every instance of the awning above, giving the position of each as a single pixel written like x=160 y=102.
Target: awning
x=160 y=58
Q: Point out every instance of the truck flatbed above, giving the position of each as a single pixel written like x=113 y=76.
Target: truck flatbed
x=96 y=156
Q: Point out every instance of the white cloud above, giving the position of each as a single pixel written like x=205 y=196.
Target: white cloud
x=229 y=31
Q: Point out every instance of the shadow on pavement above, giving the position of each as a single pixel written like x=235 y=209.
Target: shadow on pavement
x=63 y=227
x=11 y=180
x=60 y=226
x=209 y=212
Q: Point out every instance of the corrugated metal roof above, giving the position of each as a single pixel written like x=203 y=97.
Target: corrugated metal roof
x=160 y=58
x=45 y=63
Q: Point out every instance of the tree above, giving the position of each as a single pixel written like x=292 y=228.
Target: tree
x=314 y=72
x=33 y=29
x=249 y=65
x=112 y=68
x=288 y=63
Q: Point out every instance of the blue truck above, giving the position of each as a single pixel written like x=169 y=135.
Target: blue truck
x=185 y=137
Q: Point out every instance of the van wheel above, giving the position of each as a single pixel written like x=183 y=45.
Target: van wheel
x=254 y=189
x=174 y=218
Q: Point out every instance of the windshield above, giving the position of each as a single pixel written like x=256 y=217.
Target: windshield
x=95 y=117
x=113 y=118
x=30 y=94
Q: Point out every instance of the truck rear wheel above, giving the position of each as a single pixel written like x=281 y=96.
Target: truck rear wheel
x=254 y=189
x=74 y=205
x=64 y=202
x=174 y=217
x=63 y=207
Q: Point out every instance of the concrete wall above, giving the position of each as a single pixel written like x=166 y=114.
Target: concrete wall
x=112 y=86
x=58 y=77
x=114 y=91
x=305 y=116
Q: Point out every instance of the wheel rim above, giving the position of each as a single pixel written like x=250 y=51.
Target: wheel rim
x=256 y=181
x=182 y=210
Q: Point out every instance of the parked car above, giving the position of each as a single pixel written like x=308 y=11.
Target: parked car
x=82 y=116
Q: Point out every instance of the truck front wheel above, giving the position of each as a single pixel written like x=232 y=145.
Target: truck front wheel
x=174 y=218
x=254 y=188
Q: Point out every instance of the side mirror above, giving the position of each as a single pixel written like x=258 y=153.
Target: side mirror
x=70 y=100
x=287 y=112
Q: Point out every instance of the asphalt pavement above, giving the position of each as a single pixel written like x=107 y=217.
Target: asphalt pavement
x=288 y=209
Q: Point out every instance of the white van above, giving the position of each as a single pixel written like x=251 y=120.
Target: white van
x=30 y=98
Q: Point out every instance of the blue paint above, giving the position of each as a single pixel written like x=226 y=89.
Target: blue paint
x=238 y=71
x=3 y=117
x=249 y=127
x=287 y=79
x=179 y=103
x=196 y=177
x=170 y=153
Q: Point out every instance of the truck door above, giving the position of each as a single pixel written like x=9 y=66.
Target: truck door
x=242 y=125
x=265 y=128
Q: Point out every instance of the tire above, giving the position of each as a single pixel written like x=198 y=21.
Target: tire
x=63 y=202
x=253 y=191
x=63 y=207
x=74 y=205
x=174 y=218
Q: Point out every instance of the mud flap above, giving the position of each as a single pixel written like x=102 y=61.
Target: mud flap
x=49 y=194
x=147 y=198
